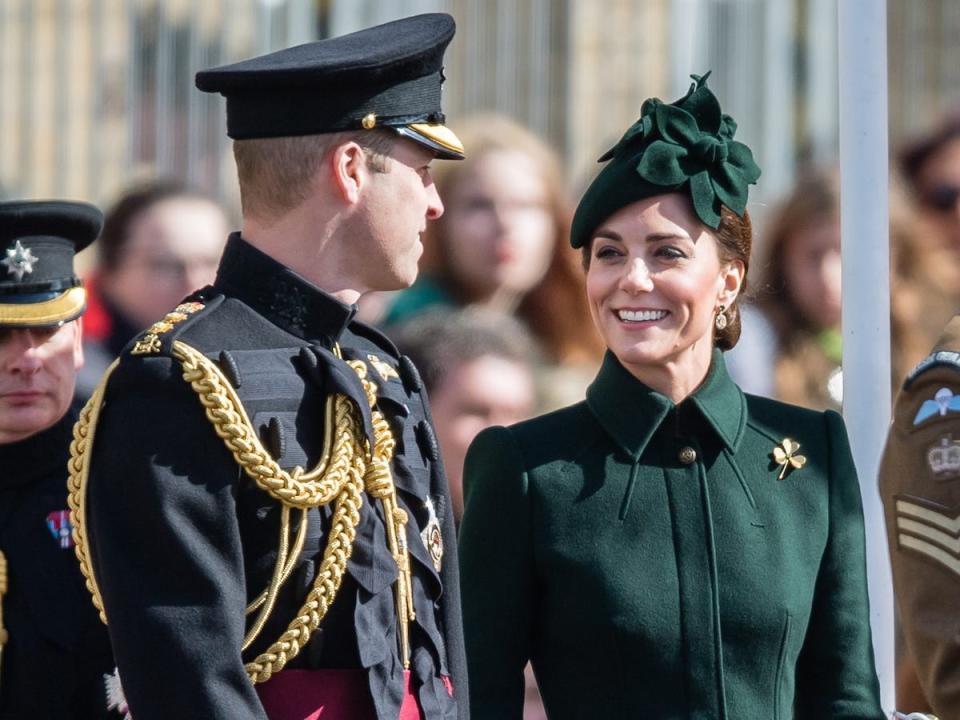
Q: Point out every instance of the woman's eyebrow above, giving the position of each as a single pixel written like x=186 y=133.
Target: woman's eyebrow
x=656 y=237
x=608 y=235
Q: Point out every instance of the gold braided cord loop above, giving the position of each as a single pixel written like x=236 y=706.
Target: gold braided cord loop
x=338 y=477
x=379 y=483
x=225 y=411
x=348 y=466
x=78 y=470
x=3 y=591
x=343 y=531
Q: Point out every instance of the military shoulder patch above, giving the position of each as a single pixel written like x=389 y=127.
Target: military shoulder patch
x=943 y=403
x=941 y=358
x=930 y=530
x=943 y=459
x=149 y=342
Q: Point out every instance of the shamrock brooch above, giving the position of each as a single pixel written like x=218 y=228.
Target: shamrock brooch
x=785 y=455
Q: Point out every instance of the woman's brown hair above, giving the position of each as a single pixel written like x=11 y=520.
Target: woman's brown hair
x=556 y=309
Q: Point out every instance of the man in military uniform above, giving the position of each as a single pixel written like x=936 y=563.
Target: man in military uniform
x=54 y=652
x=263 y=514
x=920 y=487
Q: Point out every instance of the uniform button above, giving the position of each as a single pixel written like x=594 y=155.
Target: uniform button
x=410 y=375
x=427 y=441
x=687 y=455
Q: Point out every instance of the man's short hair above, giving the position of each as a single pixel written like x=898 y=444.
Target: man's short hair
x=275 y=174
x=438 y=341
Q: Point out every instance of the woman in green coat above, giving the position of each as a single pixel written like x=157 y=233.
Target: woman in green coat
x=670 y=548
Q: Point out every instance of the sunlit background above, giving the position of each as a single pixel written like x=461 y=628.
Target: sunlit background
x=95 y=93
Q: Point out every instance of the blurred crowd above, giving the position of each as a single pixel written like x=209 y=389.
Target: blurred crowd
x=498 y=321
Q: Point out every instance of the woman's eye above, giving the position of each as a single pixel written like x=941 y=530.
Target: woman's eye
x=607 y=252
x=670 y=252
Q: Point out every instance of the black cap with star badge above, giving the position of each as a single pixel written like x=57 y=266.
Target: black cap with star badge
x=38 y=239
x=385 y=76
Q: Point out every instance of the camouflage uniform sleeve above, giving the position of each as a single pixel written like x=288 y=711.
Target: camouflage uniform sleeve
x=920 y=487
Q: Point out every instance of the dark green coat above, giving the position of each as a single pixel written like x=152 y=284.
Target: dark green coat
x=641 y=586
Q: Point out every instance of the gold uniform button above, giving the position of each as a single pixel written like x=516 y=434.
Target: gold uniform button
x=688 y=455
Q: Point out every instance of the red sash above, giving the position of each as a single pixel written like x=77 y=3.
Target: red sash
x=329 y=695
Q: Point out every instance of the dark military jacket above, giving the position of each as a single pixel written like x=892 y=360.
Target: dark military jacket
x=651 y=563
x=183 y=540
x=58 y=651
x=920 y=487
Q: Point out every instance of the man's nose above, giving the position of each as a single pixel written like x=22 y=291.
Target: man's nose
x=434 y=203
x=26 y=353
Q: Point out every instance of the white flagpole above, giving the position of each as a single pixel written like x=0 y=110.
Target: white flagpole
x=866 y=290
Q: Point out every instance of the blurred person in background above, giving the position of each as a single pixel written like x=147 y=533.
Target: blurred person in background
x=502 y=244
x=478 y=368
x=54 y=652
x=931 y=167
x=161 y=240
x=800 y=294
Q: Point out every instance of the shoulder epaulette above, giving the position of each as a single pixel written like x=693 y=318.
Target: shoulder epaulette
x=150 y=341
x=941 y=358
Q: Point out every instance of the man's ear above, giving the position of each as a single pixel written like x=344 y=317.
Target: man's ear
x=348 y=166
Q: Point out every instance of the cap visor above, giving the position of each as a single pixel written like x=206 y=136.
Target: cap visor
x=63 y=308
x=439 y=138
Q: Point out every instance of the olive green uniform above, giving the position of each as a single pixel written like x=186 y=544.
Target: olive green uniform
x=920 y=486
x=656 y=561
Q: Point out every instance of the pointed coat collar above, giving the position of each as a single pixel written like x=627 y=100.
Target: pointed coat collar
x=279 y=294
x=630 y=412
x=39 y=456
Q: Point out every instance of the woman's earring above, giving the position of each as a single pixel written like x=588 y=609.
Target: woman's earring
x=721 y=320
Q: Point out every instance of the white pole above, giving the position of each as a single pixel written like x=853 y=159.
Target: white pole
x=866 y=290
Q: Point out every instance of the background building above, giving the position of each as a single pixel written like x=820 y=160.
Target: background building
x=99 y=92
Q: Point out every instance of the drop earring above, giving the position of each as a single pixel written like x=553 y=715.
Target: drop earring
x=721 y=320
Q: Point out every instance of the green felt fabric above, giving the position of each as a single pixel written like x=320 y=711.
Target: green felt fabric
x=424 y=295
x=643 y=587
x=686 y=146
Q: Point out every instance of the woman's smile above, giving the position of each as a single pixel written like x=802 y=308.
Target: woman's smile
x=634 y=318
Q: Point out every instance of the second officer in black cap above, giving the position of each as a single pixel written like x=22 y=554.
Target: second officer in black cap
x=54 y=652
x=263 y=516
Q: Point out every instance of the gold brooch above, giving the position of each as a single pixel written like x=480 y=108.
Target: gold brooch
x=785 y=455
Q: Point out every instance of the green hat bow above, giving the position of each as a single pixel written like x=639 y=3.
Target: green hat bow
x=686 y=145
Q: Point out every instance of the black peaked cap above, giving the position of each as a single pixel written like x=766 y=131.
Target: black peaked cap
x=385 y=76
x=38 y=241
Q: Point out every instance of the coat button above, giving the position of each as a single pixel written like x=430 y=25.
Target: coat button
x=427 y=441
x=410 y=375
x=688 y=455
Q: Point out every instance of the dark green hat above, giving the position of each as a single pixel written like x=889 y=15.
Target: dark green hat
x=38 y=239
x=685 y=146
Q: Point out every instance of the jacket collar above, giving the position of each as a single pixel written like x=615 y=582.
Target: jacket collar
x=630 y=412
x=39 y=456
x=279 y=294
